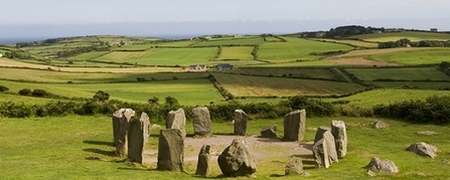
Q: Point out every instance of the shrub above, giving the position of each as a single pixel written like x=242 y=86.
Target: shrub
x=3 y=88
x=25 y=92
x=39 y=93
x=101 y=96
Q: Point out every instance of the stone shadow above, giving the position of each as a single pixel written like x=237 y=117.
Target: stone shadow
x=103 y=143
x=99 y=151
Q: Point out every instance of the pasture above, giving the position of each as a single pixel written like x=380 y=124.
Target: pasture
x=245 y=41
x=236 y=53
x=296 y=49
x=357 y=43
x=61 y=148
x=414 y=57
x=411 y=35
x=294 y=72
x=398 y=73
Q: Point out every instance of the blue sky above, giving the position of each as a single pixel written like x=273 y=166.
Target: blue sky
x=159 y=17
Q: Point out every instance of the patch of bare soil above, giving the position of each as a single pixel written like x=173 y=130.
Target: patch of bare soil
x=262 y=147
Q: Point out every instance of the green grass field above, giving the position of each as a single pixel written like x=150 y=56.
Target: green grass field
x=416 y=73
x=89 y=55
x=411 y=35
x=58 y=148
x=245 y=41
x=356 y=43
x=266 y=86
x=296 y=49
x=323 y=73
x=174 y=44
x=416 y=57
x=236 y=53
x=414 y=85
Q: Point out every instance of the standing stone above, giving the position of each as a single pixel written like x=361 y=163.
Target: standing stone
x=202 y=121
x=203 y=167
x=423 y=149
x=170 y=150
x=294 y=125
x=325 y=134
x=146 y=122
x=382 y=165
x=240 y=122
x=136 y=139
x=320 y=154
x=339 y=132
x=120 y=127
x=177 y=120
x=237 y=159
x=269 y=132
x=294 y=166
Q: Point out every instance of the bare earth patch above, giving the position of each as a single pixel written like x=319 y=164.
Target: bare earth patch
x=263 y=148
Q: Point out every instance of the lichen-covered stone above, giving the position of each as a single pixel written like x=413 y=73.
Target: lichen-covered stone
x=295 y=125
x=201 y=121
x=240 y=122
x=170 y=150
x=338 y=129
x=237 y=159
x=177 y=120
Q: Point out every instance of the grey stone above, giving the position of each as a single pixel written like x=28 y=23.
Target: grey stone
x=201 y=121
x=320 y=154
x=382 y=165
x=445 y=161
x=338 y=129
x=423 y=149
x=237 y=159
x=428 y=133
x=137 y=132
x=147 y=126
x=325 y=133
x=203 y=165
x=269 y=132
x=294 y=166
x=240 y=122
x=177 y=120
x=120 y=121
x=295 y=125
x=170 y=150
x=380 y=125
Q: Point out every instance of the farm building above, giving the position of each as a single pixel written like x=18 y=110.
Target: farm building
x=434 y=30
x=196 y=68
x=222 y=67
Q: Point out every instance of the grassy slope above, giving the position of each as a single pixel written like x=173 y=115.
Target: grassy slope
x=323 y=73
x=427 y=56
x=296 y=49
x=57 y=148
x=411 y=35
x=419 y=73
x=247 y=41
x=238 y=53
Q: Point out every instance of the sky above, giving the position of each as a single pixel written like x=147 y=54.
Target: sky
x=55 y=18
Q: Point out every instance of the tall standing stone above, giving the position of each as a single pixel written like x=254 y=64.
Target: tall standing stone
x=325 y=134
x=338 y=129
x=202 y=121
x=137 y=132
x=203 y=167
x=295 y=125
x=170 y=150
x=320 y=154
x=120 y=128
x=240 y=122
x=237 y=159
x=177 y=120
x=146 y=122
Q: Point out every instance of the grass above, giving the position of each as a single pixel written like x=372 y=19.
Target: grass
x=57 y=148
x=356 y=43
x=251 y=86
x=296 y=49
x=413 y=85
x=426 y=56
x=137 y=47
x=163 y=56
x=174 y=44
x=25 y=99
x=323 y=73
x=245 y=41
x=236 y=53
x=411 y=35
x=415 y=73
x=89 y=55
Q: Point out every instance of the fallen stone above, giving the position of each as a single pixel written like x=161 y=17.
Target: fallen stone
x=269 y=132
x=294 y=166
x=423 y=149
x=382 y=165
x=325 y=133
x=237 y=159
x=445 y=161
x=295 y=125
x=203 y=167
x=380 y=125
x=338 y=130
x=177 y=120
x=370 y=173
x=170 y=150
x=201 y=121
x=120 y=121
x=240 y=122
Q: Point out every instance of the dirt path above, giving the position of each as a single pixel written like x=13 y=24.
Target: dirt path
x=262 y=147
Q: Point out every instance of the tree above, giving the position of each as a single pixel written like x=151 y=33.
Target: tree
x=171 y=101
x=101 y=96
x=153 y=100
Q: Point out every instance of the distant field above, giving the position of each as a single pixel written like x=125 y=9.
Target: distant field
x=133 y=47
x=386 y=96
x=174 y=44
x=238 y=53
x=228 y=42
x=265 y=86
x=323 y=73
x=189 y=92
x=316 y=63
x=425 y=56
x=163 y=56
x=415 y=85
x=24 y=99
x=89 y=55
x=418 y=73
x=411 y=35
x=296 y=49
x=63 y=77
x=353 y=43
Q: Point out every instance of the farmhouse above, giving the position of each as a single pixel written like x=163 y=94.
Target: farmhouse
x=196 y=68
x=434 y=30
x=222 y=67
